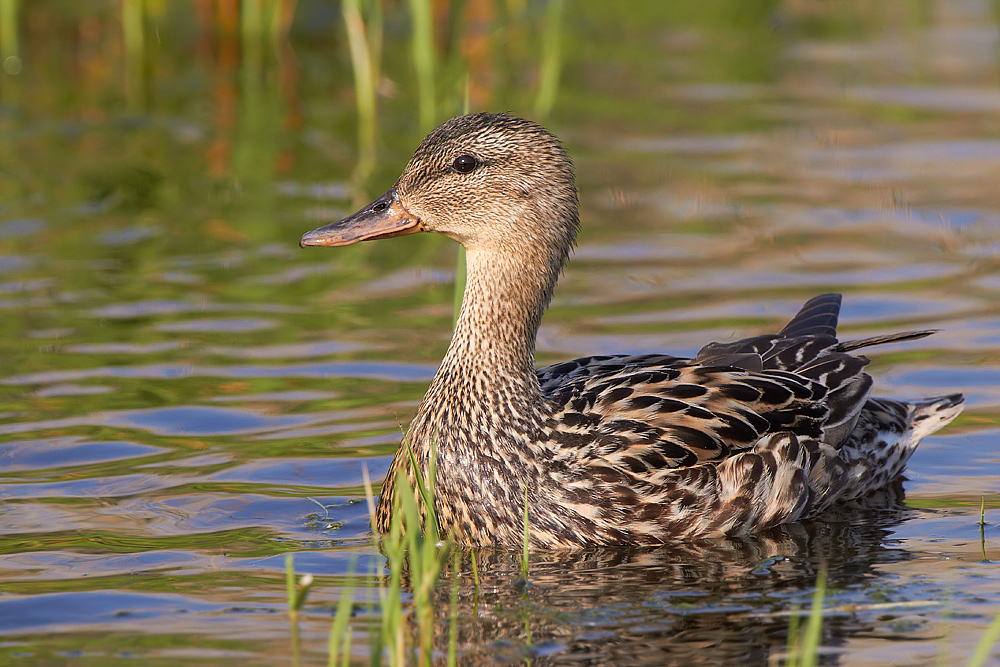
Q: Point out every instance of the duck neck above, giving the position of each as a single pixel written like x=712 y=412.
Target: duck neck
x=486 y=388
x=494 y=341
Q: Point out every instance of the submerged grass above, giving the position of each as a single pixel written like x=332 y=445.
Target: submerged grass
x=803 y=651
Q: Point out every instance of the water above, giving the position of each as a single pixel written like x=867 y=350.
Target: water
x=186 y=396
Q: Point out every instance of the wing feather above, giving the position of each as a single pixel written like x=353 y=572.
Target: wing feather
x=646 y=414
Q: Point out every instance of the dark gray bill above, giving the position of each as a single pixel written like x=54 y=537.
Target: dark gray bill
x=382 y=219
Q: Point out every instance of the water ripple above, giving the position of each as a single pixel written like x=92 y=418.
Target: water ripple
x=373 y=370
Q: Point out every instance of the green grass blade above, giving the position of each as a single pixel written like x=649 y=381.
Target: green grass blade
x=431 y=521
x=421 y=487
x=982 y=528
x=251 y=42
x=376 y=30
x=347 y=650
x=985 y=644
x=293 y=606
x=392 y=606
x=290 y=581
x=814 y=626
x=370 y=499
x=272 y=10
x=339 y=632
x=792 y=650
x=453 y=615
x=466 y=95
x=9 y=47
x=377 y=639
x=524 y=539
x=359 y=46
x=134 y=39
x=409 y=514
x=423 y=60
x=424 y=488
x=460 y=266
x=548 y=79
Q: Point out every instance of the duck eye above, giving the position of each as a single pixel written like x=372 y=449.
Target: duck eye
x=464 y=164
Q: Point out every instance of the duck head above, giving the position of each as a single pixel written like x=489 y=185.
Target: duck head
x=491 y=182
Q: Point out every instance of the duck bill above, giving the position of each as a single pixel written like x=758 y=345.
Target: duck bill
x=382 y=219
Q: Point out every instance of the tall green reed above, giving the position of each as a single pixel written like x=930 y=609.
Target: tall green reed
x=423 y=61
x=10 y=50
x=460 y=264
x=365 y=46
x=134 y=41
x=551 y=63
x=260 y=22
x=281 y=13
x=251 y=42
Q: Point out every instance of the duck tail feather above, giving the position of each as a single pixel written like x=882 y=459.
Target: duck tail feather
x=849 y=345
x=817 y=317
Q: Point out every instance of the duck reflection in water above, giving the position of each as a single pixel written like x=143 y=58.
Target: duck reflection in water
x=721 y=601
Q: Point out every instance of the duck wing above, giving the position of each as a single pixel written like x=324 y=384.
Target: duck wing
x=646 y=415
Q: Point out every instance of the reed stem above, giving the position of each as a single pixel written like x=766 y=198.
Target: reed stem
x=252 y=28
x=10 y=51
x=423 y=59
x=134 y=40
x=360 y=46
x=548 y=81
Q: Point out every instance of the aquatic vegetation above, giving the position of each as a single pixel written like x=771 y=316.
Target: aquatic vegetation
x=414 y=548
x=365 y=42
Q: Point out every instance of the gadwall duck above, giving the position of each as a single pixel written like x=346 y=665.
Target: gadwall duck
x=624 y=449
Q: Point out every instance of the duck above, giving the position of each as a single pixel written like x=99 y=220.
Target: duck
x=612 y=450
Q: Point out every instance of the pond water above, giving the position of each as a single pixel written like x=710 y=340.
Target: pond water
x=186 y=395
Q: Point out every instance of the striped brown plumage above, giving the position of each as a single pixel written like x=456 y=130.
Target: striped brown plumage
x=640 y=449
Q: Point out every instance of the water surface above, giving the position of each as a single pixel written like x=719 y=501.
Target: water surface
x=186 y=396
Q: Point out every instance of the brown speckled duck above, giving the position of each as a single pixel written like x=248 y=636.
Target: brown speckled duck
x=611 y=450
